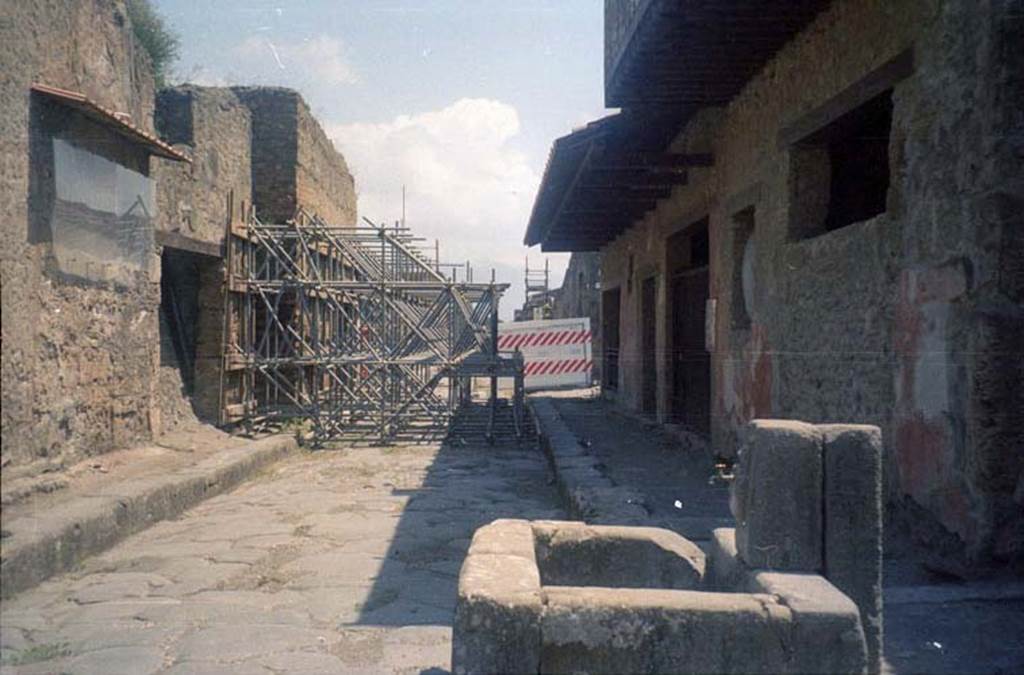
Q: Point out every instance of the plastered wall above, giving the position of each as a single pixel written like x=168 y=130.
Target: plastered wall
x=910 y=320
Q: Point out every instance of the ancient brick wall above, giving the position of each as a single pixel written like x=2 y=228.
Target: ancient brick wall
x=294 y=163
x=322 y=179
x=214 y=128
x=77 y=356
x=274 y=149
x=905 y=320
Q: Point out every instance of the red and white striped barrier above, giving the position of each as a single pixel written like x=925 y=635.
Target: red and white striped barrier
x=543 y=339
x=557 y=352
x=558 y=367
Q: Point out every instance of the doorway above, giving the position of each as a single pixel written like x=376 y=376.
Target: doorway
x=191 y=318
x=610 y=338
x=690 y=396
x=649 y=361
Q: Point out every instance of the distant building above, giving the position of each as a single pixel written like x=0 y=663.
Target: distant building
x=814 y=210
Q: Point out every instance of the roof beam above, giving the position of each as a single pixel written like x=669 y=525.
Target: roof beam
x=639 y=180
x=629 y=161
x=628 y=192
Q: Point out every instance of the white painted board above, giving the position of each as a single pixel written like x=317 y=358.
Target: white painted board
x=557 y=352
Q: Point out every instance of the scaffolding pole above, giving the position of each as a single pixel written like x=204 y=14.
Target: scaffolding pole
x=357 y=332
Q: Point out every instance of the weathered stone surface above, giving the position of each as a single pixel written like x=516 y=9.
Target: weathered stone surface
x=605 y=630
x=258 y=571
x=576 y=554
x=904 y=320
x=46 y=544
x=725 y=570
x=497 y=616
x=504 y=536
x=853 y=522
x=215 y=128
x=294 y=163
x=777 y=496
x=827 y=633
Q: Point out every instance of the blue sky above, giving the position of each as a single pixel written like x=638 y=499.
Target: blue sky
x=460 y=101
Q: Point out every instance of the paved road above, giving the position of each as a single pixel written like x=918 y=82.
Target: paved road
x=339 y=561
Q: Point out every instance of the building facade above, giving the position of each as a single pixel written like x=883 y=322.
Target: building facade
x=817 y=213
x=112 y=246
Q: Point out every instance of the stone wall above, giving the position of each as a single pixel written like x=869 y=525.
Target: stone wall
x=580 y=295
x=909 y=320
x=77 y=356
x=85 y=363
x=214 y=128
x=323 y=182
x=294 y=163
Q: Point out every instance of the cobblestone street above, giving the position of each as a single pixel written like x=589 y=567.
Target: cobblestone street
x=337 y=561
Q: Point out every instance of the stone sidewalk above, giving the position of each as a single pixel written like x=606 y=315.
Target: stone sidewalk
x=674 y=480
x=931 y=625
x=89 y=507
x=334 y=561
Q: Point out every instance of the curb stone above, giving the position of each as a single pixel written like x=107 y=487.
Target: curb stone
x=96 y=523
x=591 y=496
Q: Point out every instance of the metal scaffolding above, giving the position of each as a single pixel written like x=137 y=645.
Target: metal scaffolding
x=355 y=331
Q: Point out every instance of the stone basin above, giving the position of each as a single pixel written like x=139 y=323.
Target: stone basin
x=560 y=596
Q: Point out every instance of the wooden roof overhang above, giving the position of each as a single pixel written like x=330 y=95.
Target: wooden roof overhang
x=602 y=178
x=697 y=53
x=116 y=122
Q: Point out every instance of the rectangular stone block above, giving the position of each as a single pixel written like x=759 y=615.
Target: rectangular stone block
x=610 y=630
x=497 y=616
x=777 y=496
x=827 y=634
x=853 y=523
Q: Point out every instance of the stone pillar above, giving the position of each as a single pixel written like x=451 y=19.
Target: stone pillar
x=853 y=522
x=777 y=496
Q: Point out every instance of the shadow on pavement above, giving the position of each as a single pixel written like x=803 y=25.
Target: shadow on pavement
x=465 y=487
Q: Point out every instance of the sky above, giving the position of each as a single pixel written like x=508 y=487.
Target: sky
x=459 y=101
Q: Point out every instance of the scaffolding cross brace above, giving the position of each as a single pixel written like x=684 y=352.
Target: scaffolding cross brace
x=354 y=331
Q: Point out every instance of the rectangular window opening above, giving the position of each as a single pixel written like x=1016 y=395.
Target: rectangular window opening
x=689 y=249
x=840 y=174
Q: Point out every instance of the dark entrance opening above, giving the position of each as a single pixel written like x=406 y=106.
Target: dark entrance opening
x=191 y=319
x=610 y=338
x=648 y=302
x=688 y=258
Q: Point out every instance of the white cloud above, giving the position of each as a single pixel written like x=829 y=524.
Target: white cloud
x=466 y=183
x=305 y=65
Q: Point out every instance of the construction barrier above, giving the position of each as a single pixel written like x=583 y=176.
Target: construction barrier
x=557 y=351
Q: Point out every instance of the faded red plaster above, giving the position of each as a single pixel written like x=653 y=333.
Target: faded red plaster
x=926 y=475
x=923 y=446
x=752 y=381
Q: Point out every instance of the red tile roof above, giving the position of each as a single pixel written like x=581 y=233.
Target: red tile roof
x=83 y=104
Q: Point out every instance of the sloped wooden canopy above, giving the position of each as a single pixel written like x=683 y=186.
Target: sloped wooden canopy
x=697 y=53
x=603 y=177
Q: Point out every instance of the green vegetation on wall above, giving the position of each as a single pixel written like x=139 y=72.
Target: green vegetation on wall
x=159 y=41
